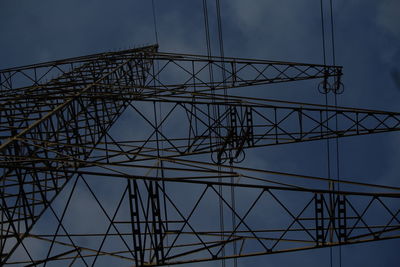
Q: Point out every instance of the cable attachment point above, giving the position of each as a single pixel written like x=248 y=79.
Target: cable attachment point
x=338 y=88
x=338 y=85
x=324 y=87
x=219 y=157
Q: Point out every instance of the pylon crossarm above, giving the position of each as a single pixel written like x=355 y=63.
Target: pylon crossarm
x=228 y=72
x=267 y=219
x=198 y=170
x=197 y=73
x=235 y=127
x=227 y=135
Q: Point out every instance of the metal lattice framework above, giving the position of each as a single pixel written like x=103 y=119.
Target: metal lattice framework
x=172 y=193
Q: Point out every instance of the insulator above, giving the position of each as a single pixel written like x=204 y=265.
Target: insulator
x=324 y=87
x=338 y=88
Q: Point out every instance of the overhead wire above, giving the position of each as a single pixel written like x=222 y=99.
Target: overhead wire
x=221 y=42
x=336 y=104
x=222 y=54
x=326 y=90
x=223 y=73
x=216 y=116
x=335 y=87
x=158 y=123
x=207 y=28
x=323 y=31
x=332 y=33
x=153 y=6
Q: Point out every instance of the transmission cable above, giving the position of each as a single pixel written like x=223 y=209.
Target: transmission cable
x=229 y=126
x=336 y=104
x=215 y=114
x=153 y=5
x=323 y=31
x=207 y=28
x=159 y=123
x=325 y=91
x=221 y=43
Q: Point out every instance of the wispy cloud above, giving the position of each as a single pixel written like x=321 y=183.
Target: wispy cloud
x=388 y=17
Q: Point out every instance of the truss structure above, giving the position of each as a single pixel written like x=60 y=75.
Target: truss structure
x=74 y=192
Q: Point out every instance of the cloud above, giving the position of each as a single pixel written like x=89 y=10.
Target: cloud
x=388 y=21
x=388 y=17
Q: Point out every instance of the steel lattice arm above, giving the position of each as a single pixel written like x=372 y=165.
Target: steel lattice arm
x=266 y=219
x=226 y=126
x=55 y=130
x=237 y=127
x=196 y=73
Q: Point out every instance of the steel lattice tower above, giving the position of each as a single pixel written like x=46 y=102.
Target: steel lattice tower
x=154 y=198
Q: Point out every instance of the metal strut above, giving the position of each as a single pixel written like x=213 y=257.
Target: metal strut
x=54 y=129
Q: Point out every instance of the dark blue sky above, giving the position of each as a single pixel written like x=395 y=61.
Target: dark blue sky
x=367 y=46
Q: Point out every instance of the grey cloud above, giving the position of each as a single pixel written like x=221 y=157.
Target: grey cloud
x=388 y=17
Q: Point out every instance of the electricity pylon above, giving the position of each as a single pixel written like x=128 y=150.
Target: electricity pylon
x=72 y=192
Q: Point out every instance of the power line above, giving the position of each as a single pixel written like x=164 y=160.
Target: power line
x=153 y=5
x=335 y=88
x=207 y=28
x=323 y=31
x=337 y=85
x=326 y=90
x=332 y=33
x=216 y=116
x=222 y=55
